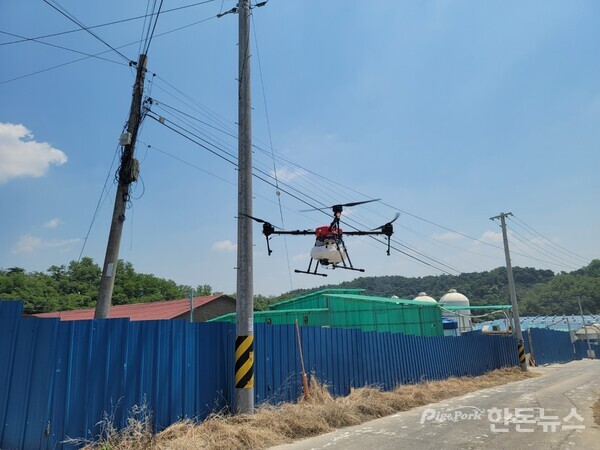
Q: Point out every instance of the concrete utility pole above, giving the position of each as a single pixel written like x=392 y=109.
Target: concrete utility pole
x=128 y=173
x=244 y=341
x=512 y=291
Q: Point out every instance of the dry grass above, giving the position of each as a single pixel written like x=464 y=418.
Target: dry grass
x=596 y=409
x=321 y=413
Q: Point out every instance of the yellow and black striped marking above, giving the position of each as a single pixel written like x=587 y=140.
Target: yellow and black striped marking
x=521 y=348
x=244 y=362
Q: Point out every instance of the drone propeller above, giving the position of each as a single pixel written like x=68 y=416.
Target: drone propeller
x=339 y=207
x=256 y=219
x=388 y=224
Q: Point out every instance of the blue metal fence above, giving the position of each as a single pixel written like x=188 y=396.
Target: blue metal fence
x=554 y=346
x=57 y=379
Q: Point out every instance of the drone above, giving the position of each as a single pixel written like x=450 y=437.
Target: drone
x=329 y=250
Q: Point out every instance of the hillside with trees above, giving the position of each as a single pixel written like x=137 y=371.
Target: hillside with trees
x=76 y=286
x=540 y=292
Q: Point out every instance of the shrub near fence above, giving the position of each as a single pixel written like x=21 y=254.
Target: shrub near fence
x=57 y=379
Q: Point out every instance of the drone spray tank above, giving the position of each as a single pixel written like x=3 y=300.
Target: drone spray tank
x=325 y=250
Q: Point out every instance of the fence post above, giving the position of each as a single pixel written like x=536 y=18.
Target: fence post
x=530 y=339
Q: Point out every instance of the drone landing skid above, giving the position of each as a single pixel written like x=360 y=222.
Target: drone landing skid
x=349 y=268
x=308 y=271
x=333 y=266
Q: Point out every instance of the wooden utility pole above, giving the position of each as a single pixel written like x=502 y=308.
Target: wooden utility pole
x=244 y=340
x=513 y=293
x=127 y=174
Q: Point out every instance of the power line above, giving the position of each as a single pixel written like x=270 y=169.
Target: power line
x=102 y=53
x=115 y=22
x=47 y=69
x=144 y=25
x=313 y=199
x=528 y=256
x=523 y=239
x=564 y=250
x=73 y=19
x=277 y=193
x=439 y=243
x=170 y=155
x=227 y=133
x=99 y=203
x=66 y=48
x=297 y=197
x=231 y=134
x=149 y=40
x=162 y=104
x=162 y=122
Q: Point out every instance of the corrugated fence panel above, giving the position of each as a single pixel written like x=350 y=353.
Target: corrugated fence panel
x=10 y=314
x=551 y=346
x=554 y=346
x=59 y=379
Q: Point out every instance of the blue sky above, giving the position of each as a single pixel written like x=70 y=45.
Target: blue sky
x=449 y=111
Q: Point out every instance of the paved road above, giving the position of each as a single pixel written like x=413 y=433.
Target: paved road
x=561 y=391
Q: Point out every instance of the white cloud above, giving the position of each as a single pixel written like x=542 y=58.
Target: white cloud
x=224 y=246
x=448 y=236
x=285 y=174
x=53 y=223
x=21 y=156
x=492 y=236
x=29 y=244
x=301 y=257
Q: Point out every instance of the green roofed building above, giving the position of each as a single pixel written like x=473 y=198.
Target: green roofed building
x=346 y=308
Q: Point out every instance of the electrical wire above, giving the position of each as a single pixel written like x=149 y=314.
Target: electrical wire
x=439 y=243
x=277 y=193
x=100 y=201
x=108 y=23
x=408 y=248
x=231 y=134
x=513 y=252
x=144 y=25
x=103 y=52
x=231 y=155
x=203 y=109
x=149 y=40
x=170 y=155
x=397 y=242
x=562 y=250
x=522 y=239
x=265 y=179
x=73 y=19
x=66 y=48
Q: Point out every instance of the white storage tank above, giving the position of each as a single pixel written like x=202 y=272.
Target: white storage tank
x=462 y=316
x=423 y=297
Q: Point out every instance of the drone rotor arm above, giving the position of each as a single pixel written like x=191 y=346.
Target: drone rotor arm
x=363 y=233
x=294 y=232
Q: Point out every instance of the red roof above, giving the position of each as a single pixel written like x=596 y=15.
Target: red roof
x=137 y=311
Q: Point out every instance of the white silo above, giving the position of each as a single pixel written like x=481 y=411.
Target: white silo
x=423 y=297
x=462 y=316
